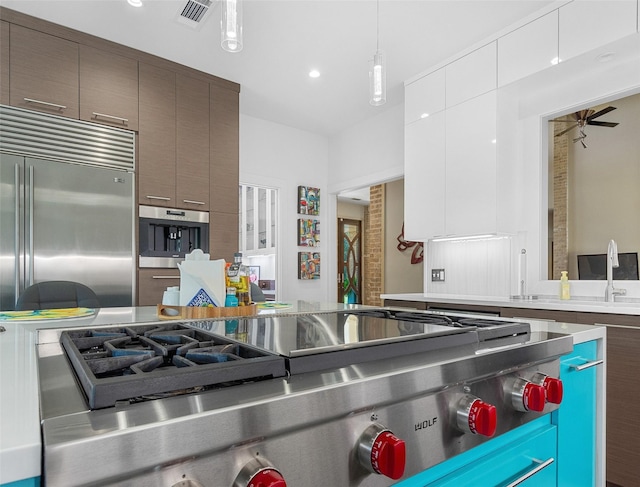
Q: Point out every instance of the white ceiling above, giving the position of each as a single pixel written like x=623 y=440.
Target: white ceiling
x=285 y=39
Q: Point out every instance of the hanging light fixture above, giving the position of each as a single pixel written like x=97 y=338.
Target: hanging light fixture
x=231 y=25
x=377 y=69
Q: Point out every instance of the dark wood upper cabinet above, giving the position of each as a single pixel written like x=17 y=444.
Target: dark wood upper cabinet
x=192 y=149
x=43 y=72
x=108 y=88
x=157 y=137
x=4 y=62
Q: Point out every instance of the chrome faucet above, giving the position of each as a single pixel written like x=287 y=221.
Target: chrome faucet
x=610 y=292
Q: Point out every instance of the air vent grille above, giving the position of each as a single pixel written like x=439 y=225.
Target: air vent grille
x=194 y=11
x=35 y=134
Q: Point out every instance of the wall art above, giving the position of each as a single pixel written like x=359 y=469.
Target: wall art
x=308 y=265
x=308 y=200
x=308 y=233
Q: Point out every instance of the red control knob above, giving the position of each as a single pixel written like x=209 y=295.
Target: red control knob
x=534 y=397
x=388 y=455
x=381 y=452
x=259 y=472
x=483 y=418
x=267 y=478
x=552 y=387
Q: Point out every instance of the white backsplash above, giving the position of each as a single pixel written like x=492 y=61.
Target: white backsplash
x=476 y=267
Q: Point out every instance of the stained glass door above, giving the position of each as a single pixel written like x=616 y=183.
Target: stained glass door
x=349 y=268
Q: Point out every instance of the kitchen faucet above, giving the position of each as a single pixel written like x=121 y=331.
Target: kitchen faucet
x=610 y=292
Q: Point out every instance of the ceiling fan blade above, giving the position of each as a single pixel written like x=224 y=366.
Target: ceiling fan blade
x=602 y=124
x=600 y=113
x=566 y=130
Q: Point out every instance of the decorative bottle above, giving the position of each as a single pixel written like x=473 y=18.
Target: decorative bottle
x=565 y=287
x=238 y=277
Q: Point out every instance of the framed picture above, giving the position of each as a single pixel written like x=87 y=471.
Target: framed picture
x=308 y=200
x=308 y=233
x=308 y=265
x=254 y=273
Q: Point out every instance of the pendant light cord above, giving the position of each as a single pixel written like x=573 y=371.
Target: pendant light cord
x=377 y=25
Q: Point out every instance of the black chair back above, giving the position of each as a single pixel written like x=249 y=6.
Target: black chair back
x=56 y=295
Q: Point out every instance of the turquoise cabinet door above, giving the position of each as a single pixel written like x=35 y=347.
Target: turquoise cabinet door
x=576 y=418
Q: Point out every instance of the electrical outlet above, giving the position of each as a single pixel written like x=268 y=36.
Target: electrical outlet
x=437 y=275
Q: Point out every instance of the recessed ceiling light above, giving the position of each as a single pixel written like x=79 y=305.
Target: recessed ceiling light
x=135 y=3
x=424 y=115
x=556 y=60
x=314 y=73
x=606 y=57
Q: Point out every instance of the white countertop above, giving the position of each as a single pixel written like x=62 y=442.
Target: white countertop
x=20 y=441
x=582 y=304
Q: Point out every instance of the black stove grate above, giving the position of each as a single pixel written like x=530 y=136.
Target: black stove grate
x=129 y=363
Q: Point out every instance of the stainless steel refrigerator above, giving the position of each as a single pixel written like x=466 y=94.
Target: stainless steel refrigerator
x=66 y=206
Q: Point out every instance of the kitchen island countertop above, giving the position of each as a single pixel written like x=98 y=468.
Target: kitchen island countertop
x=20 y=437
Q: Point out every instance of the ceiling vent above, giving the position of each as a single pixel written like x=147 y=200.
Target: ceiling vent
x=193 y=12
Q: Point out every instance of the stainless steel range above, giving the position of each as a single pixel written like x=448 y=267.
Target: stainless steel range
x=343 y=399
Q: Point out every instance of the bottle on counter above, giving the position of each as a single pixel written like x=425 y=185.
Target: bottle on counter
x=565 y=286
x=238 y=278
x=231 y=326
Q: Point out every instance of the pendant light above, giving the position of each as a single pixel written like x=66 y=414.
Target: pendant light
x=231 y=25
x=377 y=69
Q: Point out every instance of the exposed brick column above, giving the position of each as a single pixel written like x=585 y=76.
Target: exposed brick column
x=373 y=255
x=560 y=201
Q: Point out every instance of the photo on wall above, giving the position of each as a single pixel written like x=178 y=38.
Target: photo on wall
x=308 y=265
x=308 y=200
x=308 y=233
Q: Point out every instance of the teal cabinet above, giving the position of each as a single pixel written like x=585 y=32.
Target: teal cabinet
x=576 y=418
x=32 y=482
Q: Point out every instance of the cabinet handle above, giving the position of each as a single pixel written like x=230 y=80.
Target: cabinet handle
x=163 y=198
x=165 y=277
x=46 y=103
x=104 y=115
x=539 y=465
x=586 y=365
x=194 y=202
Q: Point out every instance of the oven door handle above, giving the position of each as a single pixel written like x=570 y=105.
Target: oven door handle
x=539 y=465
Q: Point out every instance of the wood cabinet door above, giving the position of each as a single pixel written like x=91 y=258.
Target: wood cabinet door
x=192 y=149
x=157 y=137
x=108 y=88
x=153 y=282
x=4 y=62
x=43 y=72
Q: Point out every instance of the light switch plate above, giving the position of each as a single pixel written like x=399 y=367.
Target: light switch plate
x=437 y=275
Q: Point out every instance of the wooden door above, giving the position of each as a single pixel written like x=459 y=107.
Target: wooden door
x=349 y=261
x=192 y=149
x=4 y=62
x=43 y=73
x=157 y=137
x=108 y=88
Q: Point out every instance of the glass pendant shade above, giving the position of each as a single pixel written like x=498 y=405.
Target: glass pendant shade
x=377 y=80
x=231 y=25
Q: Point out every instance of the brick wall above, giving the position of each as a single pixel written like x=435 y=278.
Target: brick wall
x=560 y=201
x=373 y=254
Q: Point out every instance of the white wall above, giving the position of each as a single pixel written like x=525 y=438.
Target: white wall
x=284 y=158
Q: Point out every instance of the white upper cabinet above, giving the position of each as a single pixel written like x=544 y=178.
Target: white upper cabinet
x=471 y=178
x=424 y=96
x=588 y=24
x=424 y=178
x=471 y=75
x=529 y=49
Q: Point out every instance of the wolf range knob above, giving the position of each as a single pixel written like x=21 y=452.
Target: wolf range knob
x=259 y=473
x=476 y=416
x=527 y=396
x=552 y=387
x=381 y=452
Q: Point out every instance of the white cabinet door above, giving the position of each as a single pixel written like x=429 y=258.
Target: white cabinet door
x=471 y=75
x=424 y=96
x=588 y=24
x=470 y=204
x=424 y=178
x=529 y=49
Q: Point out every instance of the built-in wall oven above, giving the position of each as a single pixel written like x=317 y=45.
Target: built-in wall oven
x=166 y=235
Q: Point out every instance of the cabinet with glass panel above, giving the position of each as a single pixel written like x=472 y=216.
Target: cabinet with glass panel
x=257 y=220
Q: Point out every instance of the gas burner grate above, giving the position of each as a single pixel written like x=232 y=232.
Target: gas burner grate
x=120 y=364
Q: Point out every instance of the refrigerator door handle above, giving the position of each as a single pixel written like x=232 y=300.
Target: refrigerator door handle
x=31 y=199
x=16 y=233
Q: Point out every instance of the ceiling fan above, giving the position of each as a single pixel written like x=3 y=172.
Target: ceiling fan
x=583 y=118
